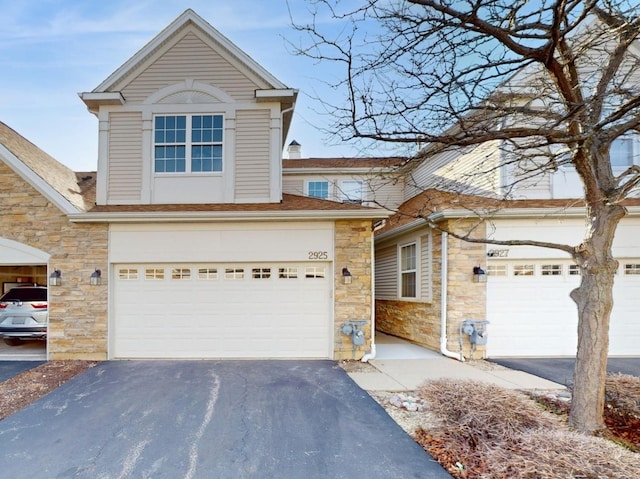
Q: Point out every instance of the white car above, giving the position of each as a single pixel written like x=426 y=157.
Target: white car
x=24 y=313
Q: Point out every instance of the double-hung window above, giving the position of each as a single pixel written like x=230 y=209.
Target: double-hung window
x=408 y=271
x=188 y=143
x=318 y=189
x=621 y=152
x=351 y=191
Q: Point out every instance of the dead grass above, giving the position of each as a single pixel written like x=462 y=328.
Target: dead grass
x=492 y=433
x=29 y=386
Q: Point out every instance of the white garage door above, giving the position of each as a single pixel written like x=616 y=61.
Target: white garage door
x=236 y=310
x=531 y=313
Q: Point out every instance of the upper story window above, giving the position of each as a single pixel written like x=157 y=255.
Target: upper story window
x=621 y=151
x=351 y=191
x=408 y=271
x=188 y=143
x=318 y=189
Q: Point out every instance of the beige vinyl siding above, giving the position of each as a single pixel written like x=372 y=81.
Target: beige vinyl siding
x=293 y=185
x=190 y=57
x=426 y=290
x=125 y=157
x=252 y=154
x=473 y=170
x=386 y=273
x=385 y=191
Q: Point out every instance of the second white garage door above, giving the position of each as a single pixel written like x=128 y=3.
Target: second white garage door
x=270 y=310
x=531 y=313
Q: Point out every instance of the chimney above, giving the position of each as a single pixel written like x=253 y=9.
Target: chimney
x=294 y=150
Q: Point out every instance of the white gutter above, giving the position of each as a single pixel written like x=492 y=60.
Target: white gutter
x=198 y=216
x=372 y=353
x=443 y=301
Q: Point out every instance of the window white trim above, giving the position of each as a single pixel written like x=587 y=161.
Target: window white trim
x=351 y=191
x=307 y=188
x=408 y=265
x=188 y=144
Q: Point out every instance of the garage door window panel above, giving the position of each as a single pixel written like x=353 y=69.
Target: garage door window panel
x=497 y=270
x=524 y=270
x=261 y=273
x=632 y=269
x=128 y=274
x=314 y=272
x=234 y=273
x=574 y=270
x=180 y=273
x=551 y=270
x=408 y=271
x=287 y=273
x=154 y=274
x=208 y=274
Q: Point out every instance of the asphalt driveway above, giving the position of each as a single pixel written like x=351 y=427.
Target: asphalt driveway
x=9 y=369
x=210 y=419
x=560 y=370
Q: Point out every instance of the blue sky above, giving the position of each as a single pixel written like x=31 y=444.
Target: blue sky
x=51 y=50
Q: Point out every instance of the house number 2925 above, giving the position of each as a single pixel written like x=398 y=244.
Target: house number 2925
x=318 y=255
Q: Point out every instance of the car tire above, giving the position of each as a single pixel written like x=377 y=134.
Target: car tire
x=13 y=341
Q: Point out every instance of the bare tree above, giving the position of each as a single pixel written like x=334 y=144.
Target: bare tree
x=552 y=82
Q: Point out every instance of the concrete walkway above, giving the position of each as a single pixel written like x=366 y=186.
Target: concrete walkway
x=402 y=366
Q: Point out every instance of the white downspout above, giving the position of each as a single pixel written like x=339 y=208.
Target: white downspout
x=372 y=353
x=443 y=300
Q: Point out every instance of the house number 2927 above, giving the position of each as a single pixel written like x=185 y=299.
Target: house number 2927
x=318 y=255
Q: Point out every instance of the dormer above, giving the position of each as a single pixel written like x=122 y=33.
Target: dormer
x=190 y=119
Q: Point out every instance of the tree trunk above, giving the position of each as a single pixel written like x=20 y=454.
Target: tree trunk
x=594 y=298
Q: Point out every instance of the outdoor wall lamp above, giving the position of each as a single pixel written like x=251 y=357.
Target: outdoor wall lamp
x=346 y=276
x=96 y=278
x=55 y=278
x=479 y=275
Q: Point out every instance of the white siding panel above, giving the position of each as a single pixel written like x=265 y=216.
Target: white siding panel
x=253 y=149
x=190 y=57
x=125 y=157
x=386 y=273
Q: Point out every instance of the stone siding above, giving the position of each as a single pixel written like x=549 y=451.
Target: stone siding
x=77 y=311
x=419 y=322
x=352 y=301
x=465 y=299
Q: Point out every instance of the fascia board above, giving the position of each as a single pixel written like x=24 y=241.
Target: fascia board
x=167 y=32
x=551 y=212
x=511 y=213
x=228 y=216
x=37 y=182
x=276 y=94
x=402 y=230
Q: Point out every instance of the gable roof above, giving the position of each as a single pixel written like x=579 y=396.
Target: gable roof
x=188 y=17
x=51 y=178
x=269 y=88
